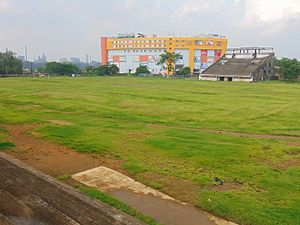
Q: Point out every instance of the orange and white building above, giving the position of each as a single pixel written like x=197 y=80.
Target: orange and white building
x=129 y=51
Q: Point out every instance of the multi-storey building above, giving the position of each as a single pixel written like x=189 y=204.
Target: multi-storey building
x=129 y=51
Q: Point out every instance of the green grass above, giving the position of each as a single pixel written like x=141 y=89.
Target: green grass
x=167 y=127
x=64 y=177
x=117 y=204
x=4 y=145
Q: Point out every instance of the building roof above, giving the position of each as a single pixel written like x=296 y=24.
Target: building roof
x=235 y=66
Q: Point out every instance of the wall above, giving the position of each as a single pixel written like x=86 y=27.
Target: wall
x=234 y=79
x=193 y=51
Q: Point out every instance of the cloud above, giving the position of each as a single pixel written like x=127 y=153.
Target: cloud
x=4 y=5
x=273 y=10
x=269 y=17
x=196 y=7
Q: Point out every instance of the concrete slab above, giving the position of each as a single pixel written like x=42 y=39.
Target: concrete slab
x=106 y=179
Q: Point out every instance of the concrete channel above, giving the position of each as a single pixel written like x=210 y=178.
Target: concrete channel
x=30 y=197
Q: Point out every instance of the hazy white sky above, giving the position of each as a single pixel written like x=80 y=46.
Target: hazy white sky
x=65 y=28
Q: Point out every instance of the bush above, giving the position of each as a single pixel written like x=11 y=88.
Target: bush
x=184 y=71
x=61 y=68
x=142 y=70
x=108 y=70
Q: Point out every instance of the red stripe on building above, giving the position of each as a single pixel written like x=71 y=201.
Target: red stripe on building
x=217 y=55
x=144 y=58
x=104 y=51
x=203 y=57
x=116 y=58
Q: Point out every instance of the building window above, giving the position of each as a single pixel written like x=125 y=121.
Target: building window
x=209 y=43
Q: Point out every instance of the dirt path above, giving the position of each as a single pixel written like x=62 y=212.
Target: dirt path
x=232 y=133
x=55 y=160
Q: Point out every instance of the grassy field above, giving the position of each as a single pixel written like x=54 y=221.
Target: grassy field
x=178 y=135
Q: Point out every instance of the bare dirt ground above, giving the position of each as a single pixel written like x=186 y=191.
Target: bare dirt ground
x=55 y=160
x=60 y=122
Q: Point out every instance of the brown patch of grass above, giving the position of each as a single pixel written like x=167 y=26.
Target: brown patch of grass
x=227 y=186
x=60 y=122
x=183 y=190
x=137 y=135
x=294 y=162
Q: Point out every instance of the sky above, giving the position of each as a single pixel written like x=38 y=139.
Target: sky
x=72 y=28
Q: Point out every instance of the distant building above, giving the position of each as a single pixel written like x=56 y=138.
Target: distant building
x=129 y=51
x=63 y=60
x=75 y=60
x=249 y=64
x=21 y=57
x=41 y=59
x=95 y=63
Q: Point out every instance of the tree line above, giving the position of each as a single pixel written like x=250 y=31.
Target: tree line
x=289 y=69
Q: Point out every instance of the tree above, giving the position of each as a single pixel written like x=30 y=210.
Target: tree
x=9 y=64
x=61 y=68
x=142 y=70
x=184 y=71
x=168 y=61
x=91 y=69
x=110 y=69
x=288 y=68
